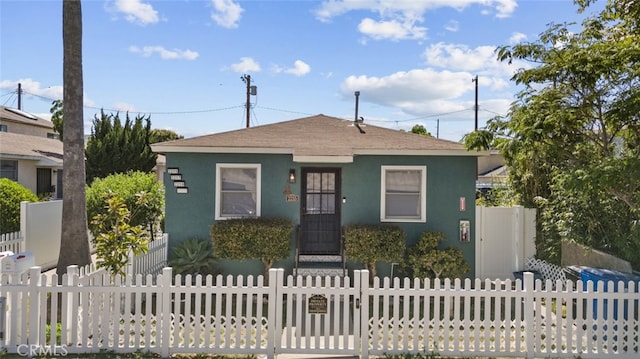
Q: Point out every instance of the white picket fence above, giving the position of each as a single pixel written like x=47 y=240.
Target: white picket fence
x=314 y=315
x=151 y=262
x=11 y=242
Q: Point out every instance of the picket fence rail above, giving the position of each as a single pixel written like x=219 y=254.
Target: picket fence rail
x=356 y=316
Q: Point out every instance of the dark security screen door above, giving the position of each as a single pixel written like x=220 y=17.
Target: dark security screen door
x=320 y=211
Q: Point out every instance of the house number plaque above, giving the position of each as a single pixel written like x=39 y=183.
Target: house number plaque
x=317 y=304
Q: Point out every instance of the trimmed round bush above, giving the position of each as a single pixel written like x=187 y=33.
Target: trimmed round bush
x=11 y=194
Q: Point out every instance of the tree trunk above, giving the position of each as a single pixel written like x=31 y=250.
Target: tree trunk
x=74 y=244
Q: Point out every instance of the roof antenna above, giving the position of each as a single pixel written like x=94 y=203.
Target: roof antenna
x=358 y=120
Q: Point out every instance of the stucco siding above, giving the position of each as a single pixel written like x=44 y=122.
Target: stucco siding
x=448 y=179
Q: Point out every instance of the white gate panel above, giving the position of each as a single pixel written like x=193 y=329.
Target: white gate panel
x=505 y=238
x=319 y=315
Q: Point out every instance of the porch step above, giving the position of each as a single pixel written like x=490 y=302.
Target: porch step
x=319 y=258
x=320 y=269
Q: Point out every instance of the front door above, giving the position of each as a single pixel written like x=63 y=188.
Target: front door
x=320 y=211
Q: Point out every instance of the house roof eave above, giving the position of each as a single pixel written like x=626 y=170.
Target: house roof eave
x=405 y=152
x=207 y=149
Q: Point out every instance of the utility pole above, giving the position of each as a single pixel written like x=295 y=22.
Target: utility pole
x=476 y=106
x=247 y=80
x=251 y=90
x=19 y=96
x=438 y=128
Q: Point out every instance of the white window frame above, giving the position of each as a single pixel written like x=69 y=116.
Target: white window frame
x=218 y=204
x=423 y=194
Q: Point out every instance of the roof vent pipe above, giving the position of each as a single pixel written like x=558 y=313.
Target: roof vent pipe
x=355 y=119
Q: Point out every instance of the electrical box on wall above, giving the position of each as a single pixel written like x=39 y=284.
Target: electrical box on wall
x=465 y=230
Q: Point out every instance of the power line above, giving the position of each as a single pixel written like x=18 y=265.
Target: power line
x=184 y=112
x=145 y=112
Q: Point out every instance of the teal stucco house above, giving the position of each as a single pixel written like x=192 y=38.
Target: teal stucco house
x=323 y=173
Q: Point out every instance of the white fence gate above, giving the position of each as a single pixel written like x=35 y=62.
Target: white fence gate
x=505 y=238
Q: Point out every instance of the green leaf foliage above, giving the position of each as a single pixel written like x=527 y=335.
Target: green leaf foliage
x=161 y=135
x=114 y=147
x=374 y=243
x=11 y=194
x=57 y=113
x=264 y=238
x=115 y=236
x=130 y=187
x=571 y=140
x=426 y=260
x=194 y=256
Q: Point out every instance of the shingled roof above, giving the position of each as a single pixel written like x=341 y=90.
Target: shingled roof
x=48 y=152
x=317 y=138
x=18 y=116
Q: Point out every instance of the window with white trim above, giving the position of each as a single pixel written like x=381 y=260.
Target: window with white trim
x=237 y=190
x=403 y=194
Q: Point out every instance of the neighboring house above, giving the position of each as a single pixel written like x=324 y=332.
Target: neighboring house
x=30 y=152
x=492 y=172
x=323 y=173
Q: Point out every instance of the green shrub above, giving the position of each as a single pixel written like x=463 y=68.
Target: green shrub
x=129 y=187
x=374 y=243
x=11 y=194
x=194 y=256
x=427 y=261
x=263 y=238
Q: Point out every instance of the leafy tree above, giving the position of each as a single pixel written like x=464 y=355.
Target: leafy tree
x=74 y=244
x=263 y=238
x=374 y=243
x=11 y=194
x=57 y=112
x=115 y=236
x=427 y=261
x=161 y=135
x=420 y=130
x=115 y=147
x=129 y=187
x=572 y=138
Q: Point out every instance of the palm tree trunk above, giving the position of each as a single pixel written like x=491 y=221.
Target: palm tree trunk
x=74 y=244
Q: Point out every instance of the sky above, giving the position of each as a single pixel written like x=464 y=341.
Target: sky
x=184 y=63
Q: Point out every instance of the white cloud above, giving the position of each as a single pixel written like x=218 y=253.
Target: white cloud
x=332 y=8
x=34 y=88
x=31 y=87
x=300 y=68
x=392 y=30
x=400 y=19
x=452 y=26
x=226 y=13
x=460 y=57
x=517 y=37
x=406 y=88
x=246 y=64
x=124 y=107
x=136 y=11
x=165 y=54
x=481 y=60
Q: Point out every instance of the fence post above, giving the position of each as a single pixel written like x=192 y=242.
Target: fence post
x=276 y=280
x=73 y=272
x=165 y=314
x=530 y=335
x=33 y=305
x=363 y=312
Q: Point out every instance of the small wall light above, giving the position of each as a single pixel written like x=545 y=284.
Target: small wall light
x=292 y=176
